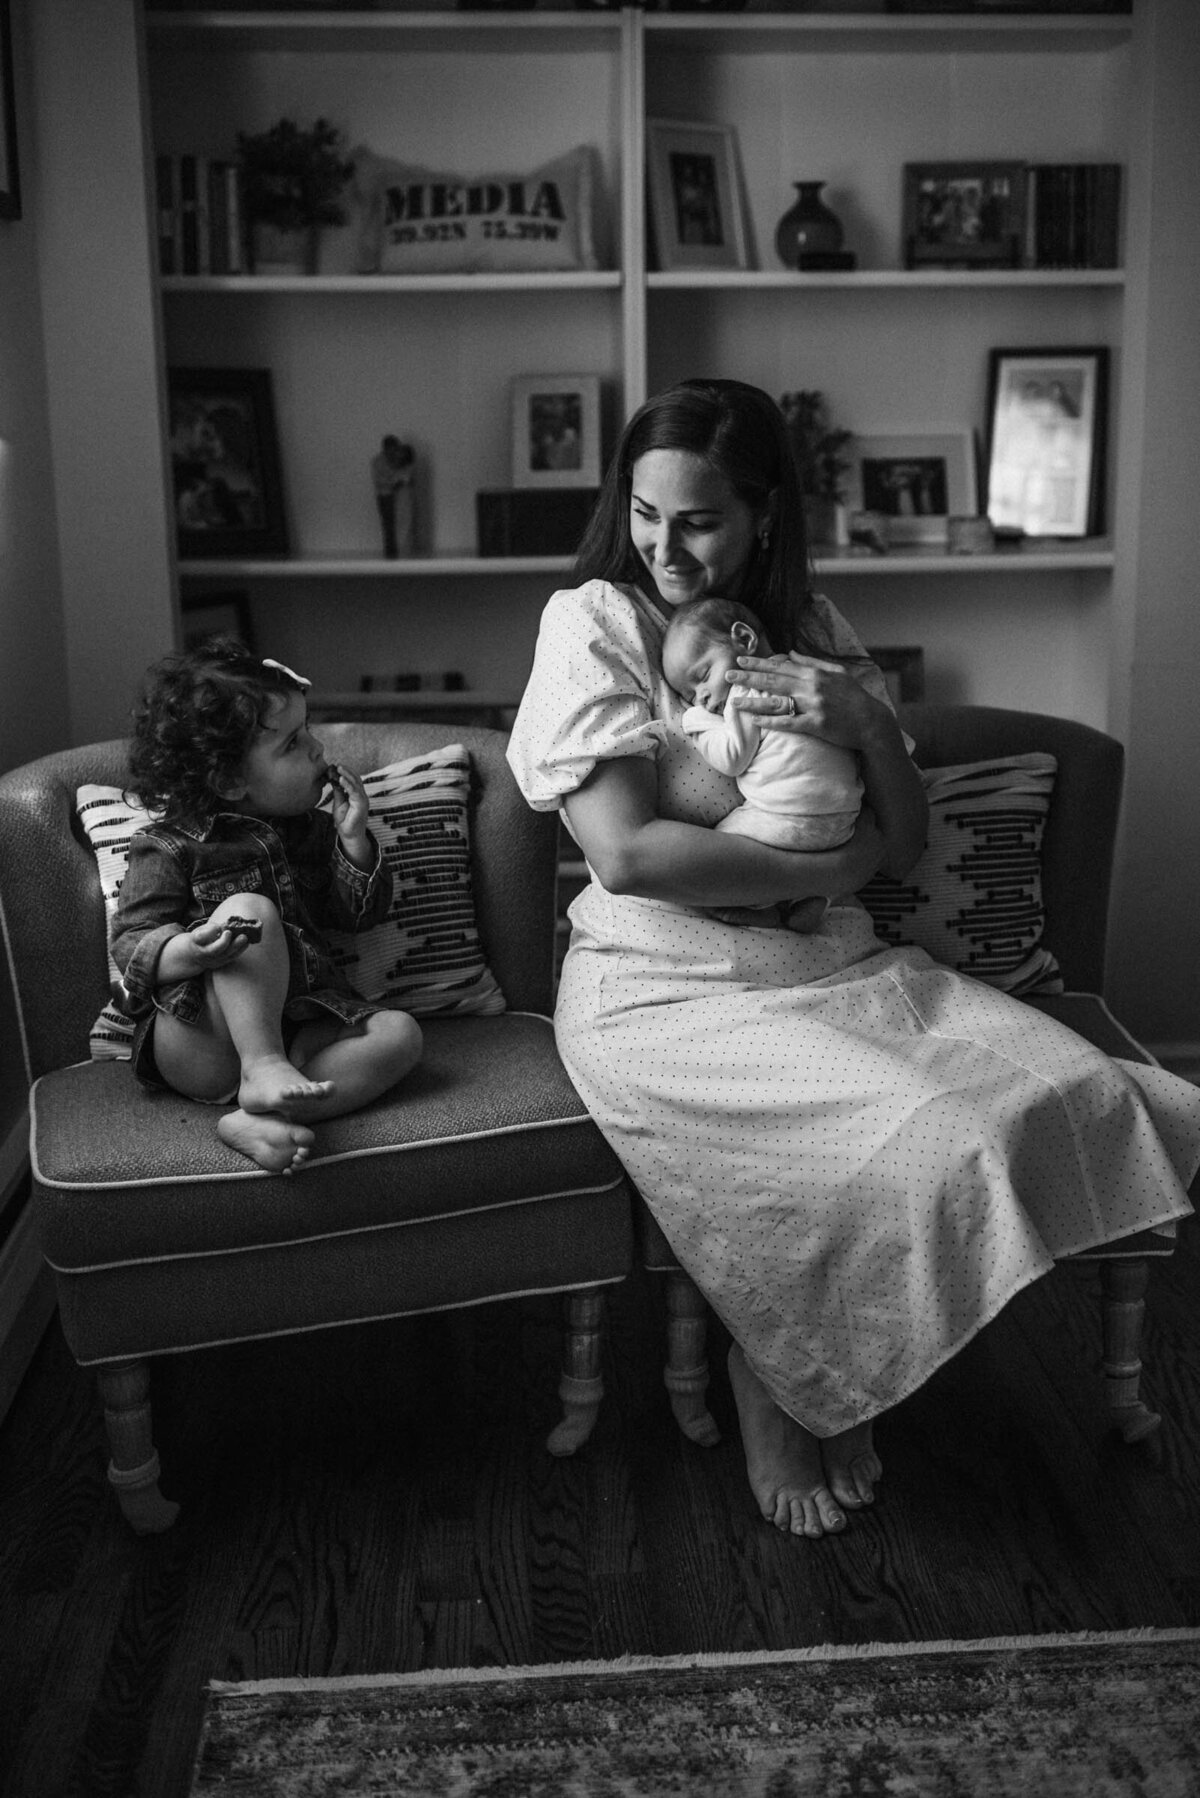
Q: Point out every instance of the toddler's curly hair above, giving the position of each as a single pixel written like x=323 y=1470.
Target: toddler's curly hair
x=193 y=723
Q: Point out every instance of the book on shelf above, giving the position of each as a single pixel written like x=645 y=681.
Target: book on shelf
x=1072 y=215
x=200 y=230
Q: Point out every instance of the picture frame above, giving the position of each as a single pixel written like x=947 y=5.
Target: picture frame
x=1046 y=441
x=556 y=431
x=903 y=669
x=225 y=470
x=694 y=197
x=205 y=614
x=10 y=180
x=918 y=481
x=964 y=214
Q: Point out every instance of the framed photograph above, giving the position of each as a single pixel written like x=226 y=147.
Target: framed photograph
x=10 y=185
x=212 y=614
x=225 y=462
x=1047 y=421
x=964 y=214
x=916 y=480
x=904 y=672
x=696 y=215
x=556 y=431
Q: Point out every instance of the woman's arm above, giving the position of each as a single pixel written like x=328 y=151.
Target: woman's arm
x=830 y=703
x=631 y=850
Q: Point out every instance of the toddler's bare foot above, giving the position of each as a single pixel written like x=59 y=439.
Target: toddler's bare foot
x=276 y=1143
x=782 y=1459
x=273 y=1084
x=852 y=1466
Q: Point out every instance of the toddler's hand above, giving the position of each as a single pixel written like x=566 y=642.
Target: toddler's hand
x=215 y=944
x=349 y=807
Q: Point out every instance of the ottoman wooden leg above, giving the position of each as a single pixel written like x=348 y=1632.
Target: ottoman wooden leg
x=581 y=1387
x=686 y=1374
x=1123 y=1286
x=134 y=1468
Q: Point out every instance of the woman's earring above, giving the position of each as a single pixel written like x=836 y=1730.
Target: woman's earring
x=764 y=537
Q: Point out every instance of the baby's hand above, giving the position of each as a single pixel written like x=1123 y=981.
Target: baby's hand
x=217 y=942
x=349 y=807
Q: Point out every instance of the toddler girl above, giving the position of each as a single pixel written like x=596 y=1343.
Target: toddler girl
x=220 y=920
x=798 y=792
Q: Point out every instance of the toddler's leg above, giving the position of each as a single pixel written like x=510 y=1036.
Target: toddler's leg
x=357 y=1061
x=249 y=993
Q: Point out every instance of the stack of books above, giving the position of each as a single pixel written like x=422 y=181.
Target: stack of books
x=200 y=222
x=1072 y=215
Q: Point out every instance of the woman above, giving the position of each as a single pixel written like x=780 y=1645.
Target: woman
x=857 y=1155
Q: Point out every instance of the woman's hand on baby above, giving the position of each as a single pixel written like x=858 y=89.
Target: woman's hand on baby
x=829 y=702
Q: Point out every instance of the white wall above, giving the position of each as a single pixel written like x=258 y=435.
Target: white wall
x=1154 y=979
x=33 y=694
x=101 y=345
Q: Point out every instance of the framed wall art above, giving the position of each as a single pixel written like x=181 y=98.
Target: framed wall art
x=1047 y=418
x=225 y=462
x=964 y=214
x=696 y=215
x=209 y=614
x=916 y=480
x=10 y=184
x=556 y=431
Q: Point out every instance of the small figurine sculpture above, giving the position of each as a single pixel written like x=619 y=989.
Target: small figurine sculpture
x=392 y=473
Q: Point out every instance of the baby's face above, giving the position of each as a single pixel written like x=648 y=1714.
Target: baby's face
x=695 y=663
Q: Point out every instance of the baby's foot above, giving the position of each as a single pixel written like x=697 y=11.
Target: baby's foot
x=273 y=1084
x=752 y=917
x=852 y=1466
x=276 y=1143
x=804 y=915
x=782 y=1459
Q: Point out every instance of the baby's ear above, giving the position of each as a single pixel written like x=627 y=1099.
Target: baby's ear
x=745 y=640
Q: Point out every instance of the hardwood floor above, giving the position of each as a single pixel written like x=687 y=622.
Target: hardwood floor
x=378 y=1499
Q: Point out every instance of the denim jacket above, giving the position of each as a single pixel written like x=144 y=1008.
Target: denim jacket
x=179 y=873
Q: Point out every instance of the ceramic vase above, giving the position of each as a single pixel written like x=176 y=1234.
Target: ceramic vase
x=808 y=227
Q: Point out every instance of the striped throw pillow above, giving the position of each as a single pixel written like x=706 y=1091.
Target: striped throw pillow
x=425 y=958
x=974 y=899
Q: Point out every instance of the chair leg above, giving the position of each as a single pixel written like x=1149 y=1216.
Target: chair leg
x=1123 y=1285
x=134 y=1468
x=580 y=1388
x=686 y=1373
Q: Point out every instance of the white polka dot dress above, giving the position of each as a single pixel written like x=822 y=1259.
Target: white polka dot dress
x=858 y=1155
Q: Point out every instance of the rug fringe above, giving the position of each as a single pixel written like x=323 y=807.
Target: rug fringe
x=634 y=1663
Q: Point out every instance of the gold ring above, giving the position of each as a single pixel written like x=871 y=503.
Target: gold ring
x=791 y=705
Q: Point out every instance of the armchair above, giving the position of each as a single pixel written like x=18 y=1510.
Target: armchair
x=1076 y=874
x=481 y=1177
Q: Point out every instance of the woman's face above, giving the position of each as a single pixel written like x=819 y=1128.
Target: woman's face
x=688 y=526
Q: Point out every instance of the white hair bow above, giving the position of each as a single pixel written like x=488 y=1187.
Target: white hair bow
x=282 y=668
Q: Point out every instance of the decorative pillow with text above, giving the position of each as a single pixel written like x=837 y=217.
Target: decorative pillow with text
x=974 y=899
x=415 y=221
x=425 y=958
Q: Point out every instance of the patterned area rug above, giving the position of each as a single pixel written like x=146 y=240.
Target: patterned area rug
x=1083 y=1716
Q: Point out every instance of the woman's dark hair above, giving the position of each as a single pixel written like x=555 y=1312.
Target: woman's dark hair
x=739 y=431
x=194 y=721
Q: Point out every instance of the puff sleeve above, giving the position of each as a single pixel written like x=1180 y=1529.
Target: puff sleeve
x=590 y=695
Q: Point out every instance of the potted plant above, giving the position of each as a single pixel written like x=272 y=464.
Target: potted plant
x=292 y=180
x=819 y=449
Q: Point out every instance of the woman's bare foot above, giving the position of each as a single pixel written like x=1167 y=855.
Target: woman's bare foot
x=276 y=1143
x=783 y=1460
x=852 y=1466
x=273 y=1084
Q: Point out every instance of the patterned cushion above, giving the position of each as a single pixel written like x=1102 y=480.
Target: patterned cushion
x=974 y=900
x=425 y=958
